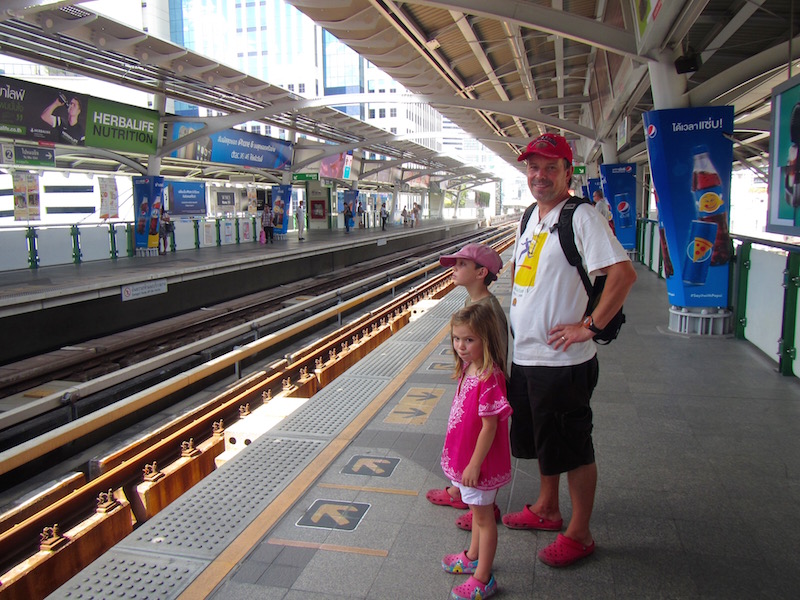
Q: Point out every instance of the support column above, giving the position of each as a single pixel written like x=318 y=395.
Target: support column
x=667 y=86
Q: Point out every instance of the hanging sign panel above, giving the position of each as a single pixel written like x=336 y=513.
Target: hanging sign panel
x=29 y=111
x=233 y=147
x=690 y=159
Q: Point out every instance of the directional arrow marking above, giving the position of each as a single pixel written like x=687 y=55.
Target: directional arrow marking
x=334 y=511
x=371 y=464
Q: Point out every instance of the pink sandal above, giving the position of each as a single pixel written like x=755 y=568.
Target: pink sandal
x=564 y=551
x=443 y=498
x=465 y=521
x=527 y=519
x=473 y=589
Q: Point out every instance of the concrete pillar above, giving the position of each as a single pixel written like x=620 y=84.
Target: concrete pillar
x=609 y=152
x=667 y=86
x=154 y=162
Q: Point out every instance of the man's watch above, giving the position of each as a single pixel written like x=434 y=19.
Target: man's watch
x=588 y=323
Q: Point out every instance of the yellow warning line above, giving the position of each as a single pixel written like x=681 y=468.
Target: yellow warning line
x=229 y=558
x=329 y=547
x=358 y=488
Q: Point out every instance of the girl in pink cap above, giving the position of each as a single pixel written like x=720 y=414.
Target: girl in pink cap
x=477 y=454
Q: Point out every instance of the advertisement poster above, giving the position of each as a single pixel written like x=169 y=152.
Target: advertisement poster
x=690 y=160
x=337 y=166
x=29 y=111
x=783 y=214
x=252 y=200
x=281 y=199
x=187 y=198
x=349 y=197
x=233 y=147
x=109 y=198
x=619 y=188
x=148 y=194
x=26 y=196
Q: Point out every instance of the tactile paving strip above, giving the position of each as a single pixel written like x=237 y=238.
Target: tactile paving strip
x=388 y=360
x=329 y=411
x=130 y=576
x=208 y=517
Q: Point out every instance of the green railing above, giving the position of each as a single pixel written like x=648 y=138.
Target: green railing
x=764 y=282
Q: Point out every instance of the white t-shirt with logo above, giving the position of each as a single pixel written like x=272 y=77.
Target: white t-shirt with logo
x=548 y=291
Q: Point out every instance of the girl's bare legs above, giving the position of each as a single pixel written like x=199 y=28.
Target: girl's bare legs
x=483 y=544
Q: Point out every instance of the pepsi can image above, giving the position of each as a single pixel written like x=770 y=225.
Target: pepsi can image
x=697 y=258
x=624 y=210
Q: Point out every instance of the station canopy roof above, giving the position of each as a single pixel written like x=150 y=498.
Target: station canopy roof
x=518 y=68
x=503 y=71
x=66 y=36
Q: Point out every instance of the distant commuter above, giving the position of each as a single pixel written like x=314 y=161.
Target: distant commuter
x=268 y=224
x=603 y=207
x=301 y=221
x=165 y=227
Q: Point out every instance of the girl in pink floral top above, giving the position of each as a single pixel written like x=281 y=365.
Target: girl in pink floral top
x=477 y=454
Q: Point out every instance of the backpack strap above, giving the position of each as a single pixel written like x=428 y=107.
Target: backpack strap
x=566 y=235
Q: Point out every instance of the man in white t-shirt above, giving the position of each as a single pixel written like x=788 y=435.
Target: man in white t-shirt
x=555 y=368
x=603 y=207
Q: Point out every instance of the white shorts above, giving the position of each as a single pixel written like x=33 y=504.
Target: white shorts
x=474 y=496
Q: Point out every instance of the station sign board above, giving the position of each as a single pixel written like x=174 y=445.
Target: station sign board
x=39 y=113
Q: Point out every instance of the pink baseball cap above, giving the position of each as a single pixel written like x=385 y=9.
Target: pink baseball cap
x=480 y=254
x=550 y=145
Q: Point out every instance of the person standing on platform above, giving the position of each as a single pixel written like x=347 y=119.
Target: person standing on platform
x=412 y=215
x=604 y=208
x=555 y=368
x=360 y=213
x=267 y=222
x=384 y=216
x=476 y=455
x=301 y=221
x=475 y=267
x=165 y=227
x=348 y=217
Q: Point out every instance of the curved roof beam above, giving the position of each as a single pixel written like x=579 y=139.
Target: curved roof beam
x=557 y=22
x=518 y=108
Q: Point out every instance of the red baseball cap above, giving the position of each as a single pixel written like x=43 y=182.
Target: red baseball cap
x=550 y=145
x=481 y=254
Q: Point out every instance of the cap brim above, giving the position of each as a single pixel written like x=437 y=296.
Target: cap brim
x=447 y=261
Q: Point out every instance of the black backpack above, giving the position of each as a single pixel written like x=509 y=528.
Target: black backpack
x=566 y=236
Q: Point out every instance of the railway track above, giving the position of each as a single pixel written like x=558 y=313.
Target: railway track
x=80 y=518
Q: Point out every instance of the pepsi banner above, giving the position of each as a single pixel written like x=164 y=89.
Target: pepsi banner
x=148 y=195
x=619 y=188
x=281 y=198
x=592 y=185
x=690 y=160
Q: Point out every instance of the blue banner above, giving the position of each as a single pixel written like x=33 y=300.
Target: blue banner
x=281 y=199
x=690 y=160
x=619 y=187
x=148 y=194
x=592 y=185
x=234 y=147
x=187 y=198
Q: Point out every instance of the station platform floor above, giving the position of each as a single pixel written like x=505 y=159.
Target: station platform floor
x=698 y=494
